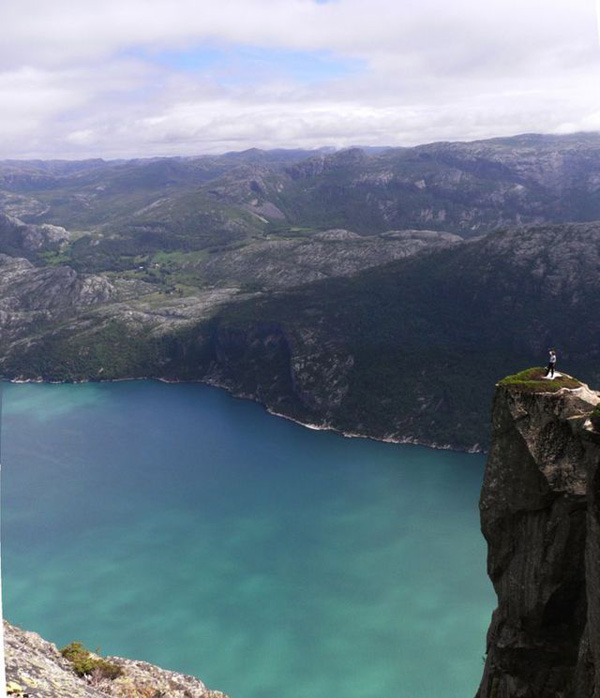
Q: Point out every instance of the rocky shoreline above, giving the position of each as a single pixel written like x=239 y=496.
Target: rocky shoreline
x=407 y=440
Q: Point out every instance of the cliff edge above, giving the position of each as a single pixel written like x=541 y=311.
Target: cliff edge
x=540 y=515
x=36 y=668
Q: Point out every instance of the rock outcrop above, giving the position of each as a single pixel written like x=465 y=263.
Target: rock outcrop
x=38 y=668
x=17 y=237
x=281 y=264
x=540 y=516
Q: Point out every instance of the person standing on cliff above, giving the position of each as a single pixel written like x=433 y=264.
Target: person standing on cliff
x=551 y=364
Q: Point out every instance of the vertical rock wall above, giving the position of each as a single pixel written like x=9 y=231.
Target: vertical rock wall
x=540 y=514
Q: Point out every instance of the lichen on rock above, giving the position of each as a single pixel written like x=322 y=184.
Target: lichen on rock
x=38 y=668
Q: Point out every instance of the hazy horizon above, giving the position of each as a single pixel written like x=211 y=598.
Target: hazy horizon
x=151 y=78
x=325 y=149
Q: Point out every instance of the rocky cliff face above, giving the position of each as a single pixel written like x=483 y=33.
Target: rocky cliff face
x=539 y=514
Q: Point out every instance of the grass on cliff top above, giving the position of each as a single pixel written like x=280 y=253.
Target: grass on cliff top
x=532 y=381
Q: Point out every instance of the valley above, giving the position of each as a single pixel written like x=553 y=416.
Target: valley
x=376 y=293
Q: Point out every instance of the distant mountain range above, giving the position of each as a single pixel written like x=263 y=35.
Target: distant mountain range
x=117 y=211
x=377 y=293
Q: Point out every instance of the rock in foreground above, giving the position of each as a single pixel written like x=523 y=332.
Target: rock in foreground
x=38 y=667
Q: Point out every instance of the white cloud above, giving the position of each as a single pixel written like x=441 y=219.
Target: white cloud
x=431 y=70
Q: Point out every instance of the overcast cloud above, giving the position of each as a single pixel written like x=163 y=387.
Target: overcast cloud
x=134 y=78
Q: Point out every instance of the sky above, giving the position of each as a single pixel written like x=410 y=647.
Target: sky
x=142 y=78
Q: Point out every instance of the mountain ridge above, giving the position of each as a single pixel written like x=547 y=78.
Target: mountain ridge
x=462 y=188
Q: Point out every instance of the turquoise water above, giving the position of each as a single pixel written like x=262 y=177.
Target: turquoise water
x=175 y=524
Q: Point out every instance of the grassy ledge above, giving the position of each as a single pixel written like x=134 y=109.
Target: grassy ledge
x=532 y=381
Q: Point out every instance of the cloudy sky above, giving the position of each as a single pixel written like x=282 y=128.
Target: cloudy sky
x=134 y=78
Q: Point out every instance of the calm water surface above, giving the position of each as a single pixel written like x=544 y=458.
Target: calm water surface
x=175 y=524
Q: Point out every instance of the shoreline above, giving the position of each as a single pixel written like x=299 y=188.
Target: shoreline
x=400 y=440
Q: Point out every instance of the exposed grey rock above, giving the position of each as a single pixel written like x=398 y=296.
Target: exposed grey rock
x=38 y=667
x=268 y=209
x=164 y=314
x=539 y=516
x=33 y=299
x=279 y=264
x=587 y=679
x=16 y=236
x=19 y=205
x=24 y=287
x=31 y=295
x=141 y=679
x=336 y=234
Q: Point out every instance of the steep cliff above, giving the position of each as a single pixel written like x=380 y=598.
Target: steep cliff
x=539 y=514
x=410 y=351
x=407 y=351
